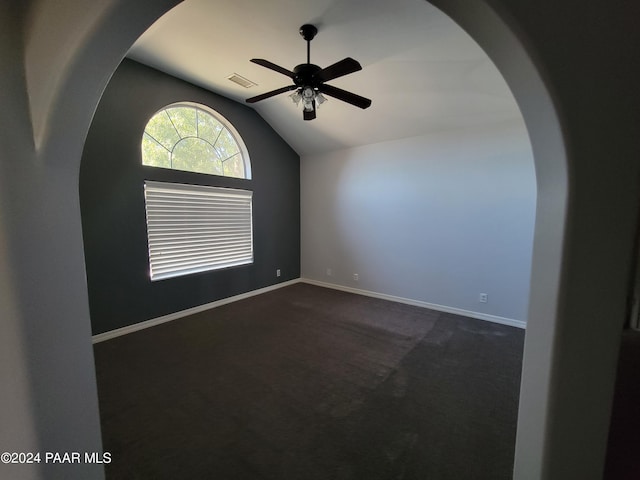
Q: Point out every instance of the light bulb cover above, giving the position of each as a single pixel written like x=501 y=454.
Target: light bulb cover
x=307 y=105
x=320 y=99
x=296 y=97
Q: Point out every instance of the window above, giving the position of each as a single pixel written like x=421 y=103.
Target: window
x=193 y=138
x=194 y=228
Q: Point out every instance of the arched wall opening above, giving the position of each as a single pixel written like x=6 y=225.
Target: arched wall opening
x=62 y=106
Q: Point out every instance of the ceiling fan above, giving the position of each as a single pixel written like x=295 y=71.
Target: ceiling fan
x=309 y=80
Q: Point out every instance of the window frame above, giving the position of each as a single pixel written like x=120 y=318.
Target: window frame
x=198 y=181
x=244 y=153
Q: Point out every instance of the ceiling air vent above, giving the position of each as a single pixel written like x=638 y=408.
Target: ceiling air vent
x=240 y=80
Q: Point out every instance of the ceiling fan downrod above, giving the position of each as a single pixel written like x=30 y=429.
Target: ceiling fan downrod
x=308 y=32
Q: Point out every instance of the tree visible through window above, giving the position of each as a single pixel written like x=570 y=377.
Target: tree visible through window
x=188 y=137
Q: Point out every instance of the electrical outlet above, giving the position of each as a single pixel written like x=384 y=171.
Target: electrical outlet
x=356 y=277
x=278 y=272
x=329 y=272
x=483 y=298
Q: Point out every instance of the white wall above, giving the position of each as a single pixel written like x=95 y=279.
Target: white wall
x=48 y=398
x=438 y=218
x=18 y=430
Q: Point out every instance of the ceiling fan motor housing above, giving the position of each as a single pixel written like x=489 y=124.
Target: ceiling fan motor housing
x=304 y=75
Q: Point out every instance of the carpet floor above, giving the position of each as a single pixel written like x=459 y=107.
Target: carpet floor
x=310 y=383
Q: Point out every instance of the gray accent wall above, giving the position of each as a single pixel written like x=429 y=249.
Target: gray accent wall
x=439 y=218
x=113 y=213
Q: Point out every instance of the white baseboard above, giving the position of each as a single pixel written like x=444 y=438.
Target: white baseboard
x=101 y=337
x=418 y=303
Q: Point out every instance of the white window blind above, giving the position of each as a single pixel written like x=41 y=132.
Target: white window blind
x=195 y=228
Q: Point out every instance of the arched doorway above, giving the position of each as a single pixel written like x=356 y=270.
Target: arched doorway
x=62 y=105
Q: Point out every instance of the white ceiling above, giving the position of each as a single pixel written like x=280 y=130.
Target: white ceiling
x=421 y=70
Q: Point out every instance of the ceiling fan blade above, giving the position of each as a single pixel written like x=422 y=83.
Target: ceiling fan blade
x=310 y=115
x=272 y=93
x=345 y=96
x=277 y=68
x=338 y=69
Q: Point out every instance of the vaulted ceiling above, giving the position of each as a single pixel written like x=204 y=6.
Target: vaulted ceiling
x=423 y=73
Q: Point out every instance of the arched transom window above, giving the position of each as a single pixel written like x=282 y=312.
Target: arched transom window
x=193 y=138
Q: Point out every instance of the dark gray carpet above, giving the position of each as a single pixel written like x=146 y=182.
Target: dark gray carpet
x=311 y=383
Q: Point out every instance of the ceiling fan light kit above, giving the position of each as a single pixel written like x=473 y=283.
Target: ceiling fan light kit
x=309 y=80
